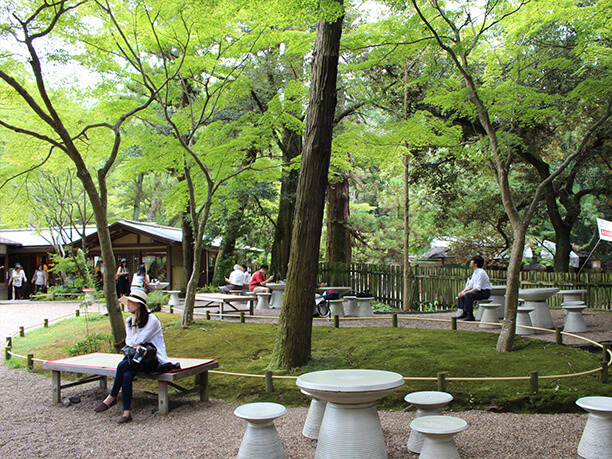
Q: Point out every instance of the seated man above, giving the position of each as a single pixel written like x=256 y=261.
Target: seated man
x=258 y=280
x=477 y=288
x=235 y=281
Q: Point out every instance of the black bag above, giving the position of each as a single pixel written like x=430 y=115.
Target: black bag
x=131 y=353
x=331 y=295
x=365 y=294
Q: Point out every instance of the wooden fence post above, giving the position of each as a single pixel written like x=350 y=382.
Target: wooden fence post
x=533 y=383
x=442 y=381
x=30 y=361
x=22 y=331
x=9 y=341
x=336 y=321
x=603 y=376
x=607 y=345
x=269 y=384
x=46 y=323
x=558 y=336
x=242 y=317
x=207 y=315
x=171 y=309
x=77 y=313
x=7 y=353
x=394 y=320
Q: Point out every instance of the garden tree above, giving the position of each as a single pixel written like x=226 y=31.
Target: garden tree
x=293 y=343
x=458 y=33
x=50 y=121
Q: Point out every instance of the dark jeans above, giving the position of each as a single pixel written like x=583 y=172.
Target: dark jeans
x=126 y=372
x=466 y=302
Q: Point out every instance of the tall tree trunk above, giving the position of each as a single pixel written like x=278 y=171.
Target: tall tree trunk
x=292 y=148
x=293 y=343
x=138 y=197
x=338 y=246
x=188 y=245
x=407 y=287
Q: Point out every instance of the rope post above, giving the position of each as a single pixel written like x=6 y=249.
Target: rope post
x=607 y=345
x=22 y=331
x=207 y=315
x=603 y=376
x=171 y=309
x=394 y=320
x=533 y=383
x=7 y=353
x=46 y=323
x=336 y=321
x=269 y=384
x=453 y=323
x=558 y=336
x=242 y=317
x=442 y=381
x=77 y=313
x=9 y=341
x=30 y=361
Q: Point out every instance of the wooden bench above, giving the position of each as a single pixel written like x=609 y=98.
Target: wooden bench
x=101 y=365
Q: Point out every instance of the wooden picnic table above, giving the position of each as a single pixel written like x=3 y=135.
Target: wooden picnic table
x=100 y=365
x=223 y=299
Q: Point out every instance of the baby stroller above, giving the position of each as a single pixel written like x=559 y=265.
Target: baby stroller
x=322 y=302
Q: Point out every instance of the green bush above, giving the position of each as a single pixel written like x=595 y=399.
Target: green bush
x=156 y=299
x=98 y=342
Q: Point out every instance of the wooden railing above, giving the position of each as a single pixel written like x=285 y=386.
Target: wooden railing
x=440 y=285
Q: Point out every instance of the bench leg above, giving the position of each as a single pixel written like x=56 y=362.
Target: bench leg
x=162 y=393
x=56 y=386
x=201 y=381
x=103 y=383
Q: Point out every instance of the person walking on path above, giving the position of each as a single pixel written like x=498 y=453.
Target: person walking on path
x=39 y=279
x=477 y=288
x=18 y=280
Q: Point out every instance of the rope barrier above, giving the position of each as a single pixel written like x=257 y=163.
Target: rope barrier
x=406 y=378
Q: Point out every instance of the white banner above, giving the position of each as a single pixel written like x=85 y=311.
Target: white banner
x=605 y=229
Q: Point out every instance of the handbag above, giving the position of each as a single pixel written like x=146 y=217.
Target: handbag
x=131 y=353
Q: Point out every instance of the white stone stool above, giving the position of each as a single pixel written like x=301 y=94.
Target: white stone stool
x=174 y=297
x=351 y=306
x=428 y=403
x=314 y=417
x=596 y=440
x=439 y=432
x=260 y=438
x=263 y=300
x=480 y=311
x=574 y=321
x=489 y=315
x=364 y=307
x=336 y=308
x=523 y=318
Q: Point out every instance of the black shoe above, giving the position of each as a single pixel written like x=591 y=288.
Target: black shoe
x=469 y=319
x=462 y=317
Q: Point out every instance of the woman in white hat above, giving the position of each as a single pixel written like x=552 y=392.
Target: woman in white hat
x=141 y=327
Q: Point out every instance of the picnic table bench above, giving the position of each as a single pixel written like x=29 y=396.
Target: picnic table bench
x=224 y=299
x=100 y=365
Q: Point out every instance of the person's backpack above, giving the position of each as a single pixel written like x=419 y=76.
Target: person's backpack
x=331 y=295
x=365 y=294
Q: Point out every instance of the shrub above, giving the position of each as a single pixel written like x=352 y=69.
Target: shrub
x=156 y=299
x=98 y=342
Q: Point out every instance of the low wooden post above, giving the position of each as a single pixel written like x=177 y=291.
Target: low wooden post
x=251 y=312
x=336 y=321
x=46 y=323
x=603 y=376
x=7 y=353
x=77 y=313
x=607 y=345
x=242 y=317
x=22 y=331
x=442 y=381
x=453 y=323
x=394 y=320
x=207 y=315
x=171 y=309
x=9 y=341
x=558 y=336
x=269 y=384
x=30 y=361
x=533 y=383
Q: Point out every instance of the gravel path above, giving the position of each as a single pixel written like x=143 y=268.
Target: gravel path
x=34 y=427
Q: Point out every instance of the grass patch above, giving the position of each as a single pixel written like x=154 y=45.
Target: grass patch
x=246 y=348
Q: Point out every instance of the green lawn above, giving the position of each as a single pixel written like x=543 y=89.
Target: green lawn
x=246 y=348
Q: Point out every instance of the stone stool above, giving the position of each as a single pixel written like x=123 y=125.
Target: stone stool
x=439 y=432
x=263 y=300
x=523 y=318
x=174 y=297
x=351 y=306
x=574 y=321
x=428 y=403
x=364 y=307
x=480 y=311
x=260 y=438
x=314 y=417
x=489 y=315
x=596 y=440
x=336 y=308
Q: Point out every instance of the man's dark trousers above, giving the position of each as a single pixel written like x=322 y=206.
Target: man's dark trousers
x=466 y=302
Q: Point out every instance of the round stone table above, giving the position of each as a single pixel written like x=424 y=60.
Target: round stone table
x=278 y=292
x=350 y=427
x=536 y=298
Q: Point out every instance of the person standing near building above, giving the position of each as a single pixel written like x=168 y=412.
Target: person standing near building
x=477 y=288
x=18 y=280
x=140 y=279
x=39 y=279
x=122 y=278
